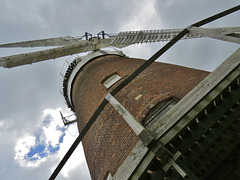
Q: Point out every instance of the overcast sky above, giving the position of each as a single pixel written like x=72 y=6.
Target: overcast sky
x=33 y=139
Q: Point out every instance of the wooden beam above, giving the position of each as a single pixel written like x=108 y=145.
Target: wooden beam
x=219 y=33
x=136 y=126
x=202 y=105
x=195 y=96
x=135 y=157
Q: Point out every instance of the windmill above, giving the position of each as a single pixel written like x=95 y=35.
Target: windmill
x=73 y=45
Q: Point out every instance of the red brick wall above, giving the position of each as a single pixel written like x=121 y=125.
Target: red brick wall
x=110 y=139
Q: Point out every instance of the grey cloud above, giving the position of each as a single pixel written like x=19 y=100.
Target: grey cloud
x=183 y=13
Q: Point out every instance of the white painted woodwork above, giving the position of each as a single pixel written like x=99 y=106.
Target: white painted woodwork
x=111 y=80
x=129 y=118
x=224 y=34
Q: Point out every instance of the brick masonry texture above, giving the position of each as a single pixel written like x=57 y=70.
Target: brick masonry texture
x=110 y=139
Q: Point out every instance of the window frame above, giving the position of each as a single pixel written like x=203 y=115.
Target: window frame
x=111 y=80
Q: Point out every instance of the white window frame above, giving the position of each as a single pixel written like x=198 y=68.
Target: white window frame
x=111 y=80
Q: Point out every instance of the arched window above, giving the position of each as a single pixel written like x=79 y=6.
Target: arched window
x=157 y=112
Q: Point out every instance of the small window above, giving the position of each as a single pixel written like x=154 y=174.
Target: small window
x=111 y=80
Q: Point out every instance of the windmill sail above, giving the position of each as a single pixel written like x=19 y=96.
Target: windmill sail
x=29 y=58
x=72 y=45
x=59 y=41
x=127 y=38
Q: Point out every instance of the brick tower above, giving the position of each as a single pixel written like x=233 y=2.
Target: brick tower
x=110 y=140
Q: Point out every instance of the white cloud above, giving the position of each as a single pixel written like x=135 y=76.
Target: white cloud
x=143 y=15
x=1 y=124
x=54 y=113
x=76 y=158
x=51 y=131
x=50 y=140
x=32 y=150
x=23 y=147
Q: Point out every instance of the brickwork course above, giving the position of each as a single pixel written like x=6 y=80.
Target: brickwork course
x=110 y=139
